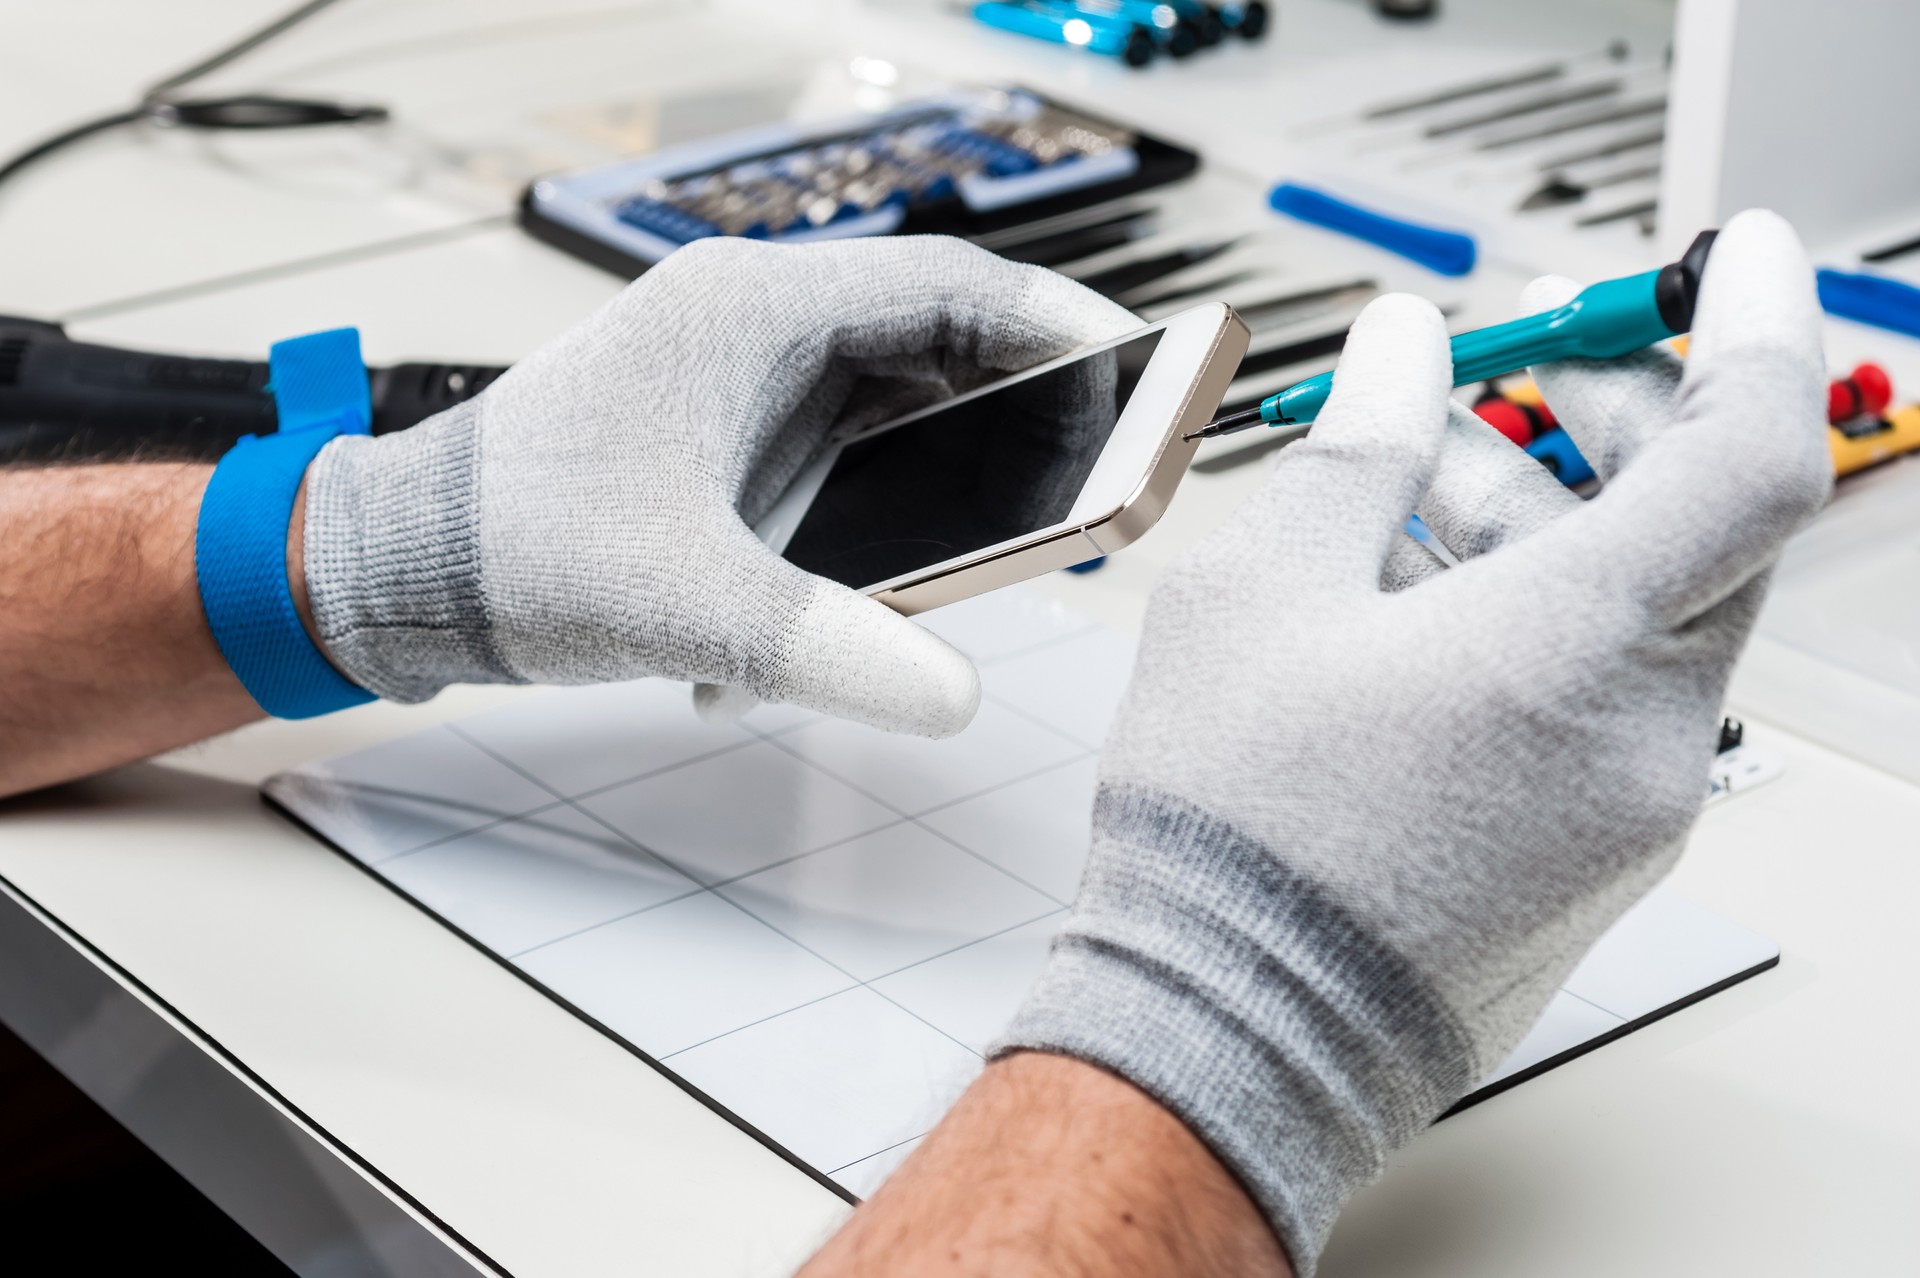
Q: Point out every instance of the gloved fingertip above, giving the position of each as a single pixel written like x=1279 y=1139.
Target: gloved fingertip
x=1546 y=293
x=1051 y=315
x=1399 y=316
x=1395 y=368
x=857 y=659
x=1398 y=340
x=1758 y=292
x=722 y=704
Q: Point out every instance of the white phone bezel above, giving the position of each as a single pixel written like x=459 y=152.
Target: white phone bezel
x=1188 y=341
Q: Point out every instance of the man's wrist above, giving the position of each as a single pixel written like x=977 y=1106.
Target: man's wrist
x=1050 y=1165
x=104 y=650
x=1247 y=1001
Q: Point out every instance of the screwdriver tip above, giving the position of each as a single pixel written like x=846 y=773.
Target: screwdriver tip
x=1227 y=425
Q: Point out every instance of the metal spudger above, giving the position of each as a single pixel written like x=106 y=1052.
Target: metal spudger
x=1617 y=52
x=1532 y=106
x=1183 y=292
x=1056 y=248
x=1141 y=272
x=1601 y=150
x=1605 y=321
x=1573 y=124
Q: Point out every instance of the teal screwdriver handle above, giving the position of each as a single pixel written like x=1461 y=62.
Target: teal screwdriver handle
x=1607 y=320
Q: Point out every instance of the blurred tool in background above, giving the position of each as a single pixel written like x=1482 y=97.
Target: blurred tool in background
x=1871 y=299
x=1132 y=43
x=1861 y=432
x=1135 y=31
x=160 y=106
x=1440 y=250
x=971 y=162
x=1519 y=413
x=66 y=400
x=1574 y=143
x=1865 y=392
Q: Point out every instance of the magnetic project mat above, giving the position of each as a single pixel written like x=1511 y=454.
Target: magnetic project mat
x=814 y=927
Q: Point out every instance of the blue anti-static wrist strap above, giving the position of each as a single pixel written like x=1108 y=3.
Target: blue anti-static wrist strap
x=319 y=386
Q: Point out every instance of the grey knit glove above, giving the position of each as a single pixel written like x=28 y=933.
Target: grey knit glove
x=1348 y=840
x=586 y=519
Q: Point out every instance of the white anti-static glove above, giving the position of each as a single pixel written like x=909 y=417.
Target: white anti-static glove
x=1349 y=839
x=586 y=518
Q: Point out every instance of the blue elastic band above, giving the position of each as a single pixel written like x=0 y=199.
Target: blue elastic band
x=319 y=386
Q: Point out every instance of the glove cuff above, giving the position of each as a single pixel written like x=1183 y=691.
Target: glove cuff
x=1257 y=1010
x=393 y=558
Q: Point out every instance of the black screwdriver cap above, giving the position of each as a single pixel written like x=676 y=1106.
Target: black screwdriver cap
x=1677 y=287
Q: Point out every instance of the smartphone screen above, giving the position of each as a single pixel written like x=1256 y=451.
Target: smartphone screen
x=970 y=475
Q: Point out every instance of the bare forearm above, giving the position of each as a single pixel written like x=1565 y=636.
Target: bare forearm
x=1050 y=1166
x=105 y=655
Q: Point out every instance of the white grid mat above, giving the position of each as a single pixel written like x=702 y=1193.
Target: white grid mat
x=820 y=926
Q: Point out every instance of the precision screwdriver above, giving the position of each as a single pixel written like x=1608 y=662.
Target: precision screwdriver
x=1607 y=320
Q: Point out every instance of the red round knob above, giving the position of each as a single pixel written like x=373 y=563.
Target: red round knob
x=1874 y=387
x=1507 y=417
x=1843 y=401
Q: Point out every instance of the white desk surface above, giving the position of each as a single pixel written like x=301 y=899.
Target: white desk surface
x=1769 y=1130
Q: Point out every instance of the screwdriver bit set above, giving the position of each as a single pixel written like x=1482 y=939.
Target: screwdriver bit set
x=963 y=162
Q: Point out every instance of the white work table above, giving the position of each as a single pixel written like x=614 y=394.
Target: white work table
x=370 y=1093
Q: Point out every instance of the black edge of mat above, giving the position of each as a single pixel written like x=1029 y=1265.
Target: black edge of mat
x=665 y=1071
x=208 y=1043
x=1619 y=1031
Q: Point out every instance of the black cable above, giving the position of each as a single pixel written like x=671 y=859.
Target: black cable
x=72 y=135
x=239 y=111
x=239 y=48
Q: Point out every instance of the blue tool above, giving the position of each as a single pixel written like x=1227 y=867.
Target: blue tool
x=1607 y=320
x=1247 y=20
x=1448 y=252
x=1128 y=41
x=1178 y=35
x=1556 y=451
x=1871 y=299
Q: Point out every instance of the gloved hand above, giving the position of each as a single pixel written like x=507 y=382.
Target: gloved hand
x=1349 y=840
x=586 y=519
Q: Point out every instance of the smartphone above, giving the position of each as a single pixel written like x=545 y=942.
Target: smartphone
x=1048 y=468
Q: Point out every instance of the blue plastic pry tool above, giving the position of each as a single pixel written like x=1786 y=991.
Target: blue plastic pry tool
x=1448 y=252
x=1871 y=299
